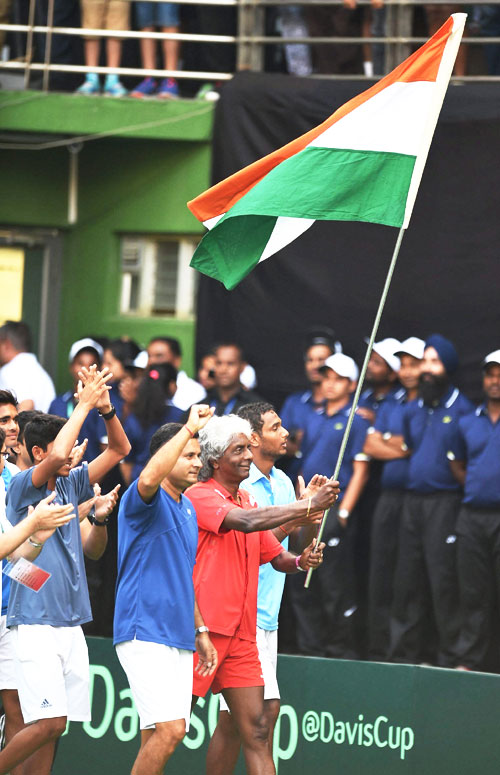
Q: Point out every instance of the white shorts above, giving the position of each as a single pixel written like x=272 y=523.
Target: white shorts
x=52 y=672
x=161 y=680
x=7 y=657
x=267 y=643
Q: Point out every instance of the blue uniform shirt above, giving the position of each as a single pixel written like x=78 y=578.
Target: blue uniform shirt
x=390 y=420
x=140 y=437
x=370 y=400
x=428 y=432
x=296 y=413
x=477 y=441
x=297 y=408
x=93 y=427
x=64 y=600
x=275 y=491
x=323 y=442
x=157 y=545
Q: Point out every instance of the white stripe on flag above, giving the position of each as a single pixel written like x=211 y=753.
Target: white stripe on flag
x=213 y=221
x=392 y=121
x=442 y=82
x=285 y=230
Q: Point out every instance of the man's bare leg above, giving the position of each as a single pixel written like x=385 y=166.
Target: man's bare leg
x=14 y=721
x=247 y=709
x=225 y=743
x=29 y=740
x=224 y=746
x=39 y=763
x=157 y=747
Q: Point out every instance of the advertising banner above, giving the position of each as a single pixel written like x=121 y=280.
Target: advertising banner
x=337 y=717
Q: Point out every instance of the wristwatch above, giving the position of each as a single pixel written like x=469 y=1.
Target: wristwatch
x=108 y=415
x=201 y=629
x=97 y=522
x=344 y=513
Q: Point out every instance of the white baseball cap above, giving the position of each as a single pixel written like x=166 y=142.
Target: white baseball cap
x=342 y=365
x=412 y=346
x=248 y=377
x=141 y=360
x=83 y=344
x=493 y=357
x=386 y=349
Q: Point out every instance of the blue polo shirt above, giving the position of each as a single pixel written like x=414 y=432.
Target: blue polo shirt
x=369 y=399
x=275 y=491
x=93 y=427
x=140 y=437
x=477 y=441
x=428 y=432
x=323 y=442
x=390 y=420
x=157 y=545
x=297 y=408
x=296 y=413
x=64 y=600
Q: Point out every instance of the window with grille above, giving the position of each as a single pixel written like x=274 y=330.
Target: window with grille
x=156 y=276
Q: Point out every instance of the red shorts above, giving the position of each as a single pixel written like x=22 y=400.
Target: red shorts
x=238 y=665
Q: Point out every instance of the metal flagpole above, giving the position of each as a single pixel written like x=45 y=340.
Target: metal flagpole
x=357 y=393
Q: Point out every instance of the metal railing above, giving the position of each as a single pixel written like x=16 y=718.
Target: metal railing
x=249 y=39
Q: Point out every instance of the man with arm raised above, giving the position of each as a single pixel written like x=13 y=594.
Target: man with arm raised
x=234 y=539
x=53 y=674
x=157 y=623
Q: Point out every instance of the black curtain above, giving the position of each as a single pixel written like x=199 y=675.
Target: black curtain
x=448 y=274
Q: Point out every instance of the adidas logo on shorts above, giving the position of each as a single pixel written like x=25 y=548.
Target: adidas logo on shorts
x=46 y=704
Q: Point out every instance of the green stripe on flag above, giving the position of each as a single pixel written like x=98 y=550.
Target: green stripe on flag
x=317 y=183
x=333 y=184
x=232 y=248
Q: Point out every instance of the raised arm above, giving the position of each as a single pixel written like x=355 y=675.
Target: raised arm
x=94 y=531
x=166 y=457
x=89 y=395
x=118 y=444
x=253 y=520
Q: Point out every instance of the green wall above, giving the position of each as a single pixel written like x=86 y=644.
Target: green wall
x=125 y=186
x=338 y=717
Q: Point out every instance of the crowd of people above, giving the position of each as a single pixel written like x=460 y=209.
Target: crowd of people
x=346 y=20
x=210 y=481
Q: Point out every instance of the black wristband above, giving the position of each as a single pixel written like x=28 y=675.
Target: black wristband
x=109 y=415
x=97 y=522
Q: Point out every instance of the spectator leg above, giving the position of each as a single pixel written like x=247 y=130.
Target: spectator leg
x=474 y=579
x=440 y=548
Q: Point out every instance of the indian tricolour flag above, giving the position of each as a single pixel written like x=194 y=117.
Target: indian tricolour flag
x=364 y=163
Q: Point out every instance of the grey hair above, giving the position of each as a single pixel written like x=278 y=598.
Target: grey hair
x=216 y=437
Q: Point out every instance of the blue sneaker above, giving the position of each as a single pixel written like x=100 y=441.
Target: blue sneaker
x=113 y=87
x=146 y=88
x=90 y=85
x=168 y=89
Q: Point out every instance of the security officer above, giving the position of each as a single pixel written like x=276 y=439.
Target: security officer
x=326 y=612
x=298 y=407
x=385 y=443
x=427 y=541
x=475 y=460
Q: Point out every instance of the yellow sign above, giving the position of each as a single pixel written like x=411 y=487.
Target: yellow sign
x=11 y=283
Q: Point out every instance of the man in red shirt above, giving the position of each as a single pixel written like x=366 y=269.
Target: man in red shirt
x=234 y=539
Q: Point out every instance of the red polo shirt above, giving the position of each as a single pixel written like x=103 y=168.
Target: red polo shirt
x=226 y=573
